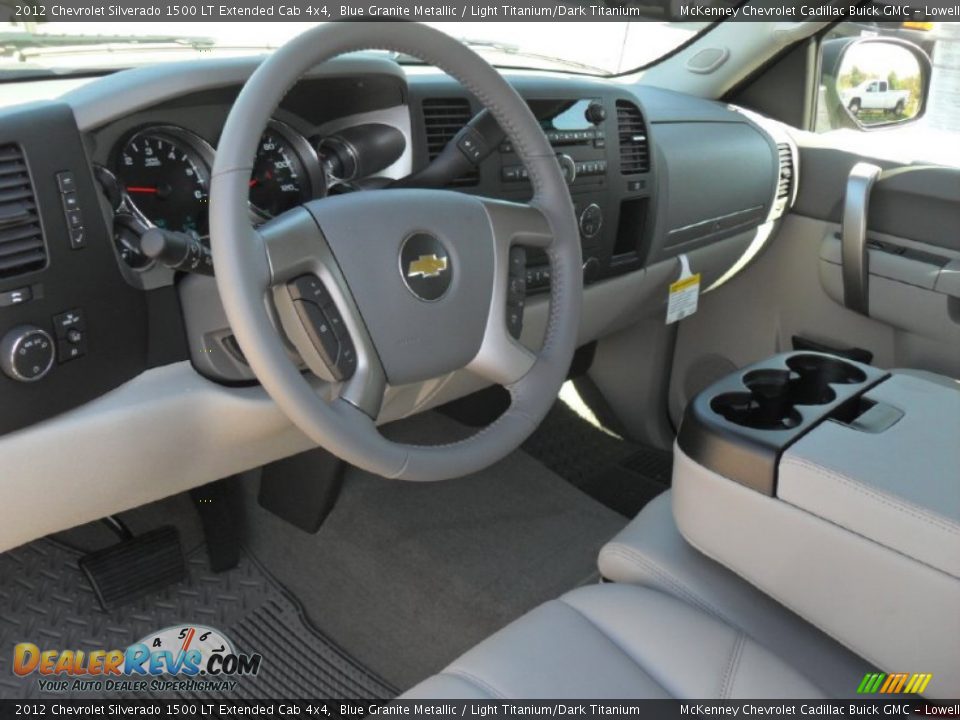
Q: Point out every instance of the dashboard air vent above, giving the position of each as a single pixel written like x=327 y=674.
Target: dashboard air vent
x=634 y=146
x=443 y=118
x=785 y=182
x=21 y=239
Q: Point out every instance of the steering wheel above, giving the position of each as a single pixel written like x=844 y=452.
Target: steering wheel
x=413 y=283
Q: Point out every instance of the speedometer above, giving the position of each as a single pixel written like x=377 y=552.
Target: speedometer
x=285 y=172
x=166 y=176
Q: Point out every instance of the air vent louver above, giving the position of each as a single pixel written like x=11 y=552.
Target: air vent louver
x=785 y=182
x=634 y=146
x=443 y=118
x=21 y=239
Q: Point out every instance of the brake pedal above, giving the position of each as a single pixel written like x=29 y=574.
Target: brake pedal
x=125 y=572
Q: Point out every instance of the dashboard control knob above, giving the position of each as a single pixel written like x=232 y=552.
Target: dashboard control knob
x=568 y=166
x=591 y=269
x=591 y=219
x=595 y=113
x=27 y=353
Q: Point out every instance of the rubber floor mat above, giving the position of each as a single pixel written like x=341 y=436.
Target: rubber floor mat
x=45 y=600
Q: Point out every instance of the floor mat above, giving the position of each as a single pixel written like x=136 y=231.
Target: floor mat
x=44 y=599
x=618 y=473
x=408 y=576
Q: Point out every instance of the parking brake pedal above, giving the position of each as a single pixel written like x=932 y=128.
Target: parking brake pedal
x=134 y=567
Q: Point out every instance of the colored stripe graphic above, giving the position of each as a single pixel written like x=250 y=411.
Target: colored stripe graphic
x=894 y=683
x=870 y=682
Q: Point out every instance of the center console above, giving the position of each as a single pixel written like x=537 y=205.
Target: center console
x=602 y=146
x=834 y=488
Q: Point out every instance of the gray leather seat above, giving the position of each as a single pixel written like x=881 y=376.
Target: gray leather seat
x=651 y=551
x=617 y=641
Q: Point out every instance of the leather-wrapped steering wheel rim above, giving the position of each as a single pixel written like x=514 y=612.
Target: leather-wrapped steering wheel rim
x=332 y=237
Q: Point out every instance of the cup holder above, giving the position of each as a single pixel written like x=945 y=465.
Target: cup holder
x=827 y=370
x=773 y=394
x=769 y=404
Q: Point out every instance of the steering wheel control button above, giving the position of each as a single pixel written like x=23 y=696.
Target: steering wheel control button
x=347 y=362
x=26 y=353
x=516 y=291
x=324 y=325
x=515 y=320
x=311 y=288
x=518 y=261
x=425 y=266
x=320 y=331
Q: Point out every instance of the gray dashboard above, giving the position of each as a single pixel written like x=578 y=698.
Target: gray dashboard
x=659 y=174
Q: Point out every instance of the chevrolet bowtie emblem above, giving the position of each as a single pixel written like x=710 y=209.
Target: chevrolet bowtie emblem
x=427 y=266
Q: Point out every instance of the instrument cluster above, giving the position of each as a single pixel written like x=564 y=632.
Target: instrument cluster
x=164 y=173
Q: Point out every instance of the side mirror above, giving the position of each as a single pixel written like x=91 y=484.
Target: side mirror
x=873 y=82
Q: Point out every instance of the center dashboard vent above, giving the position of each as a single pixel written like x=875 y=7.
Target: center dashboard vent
x=443 y=118
x=785 y=181
x=634 y=145
x=21 y=238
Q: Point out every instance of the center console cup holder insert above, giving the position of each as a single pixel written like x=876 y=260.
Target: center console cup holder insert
x=768 y=404
x=740 y=426
x=773 y=394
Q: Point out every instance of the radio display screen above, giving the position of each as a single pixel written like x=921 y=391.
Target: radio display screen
x=563 y=114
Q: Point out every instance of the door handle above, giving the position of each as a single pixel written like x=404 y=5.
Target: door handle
x=855 y=260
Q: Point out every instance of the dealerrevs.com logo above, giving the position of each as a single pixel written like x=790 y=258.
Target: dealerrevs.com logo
x=177 y=658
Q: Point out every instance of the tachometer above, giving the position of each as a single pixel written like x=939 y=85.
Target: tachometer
x=285 y=172
x=166 y=175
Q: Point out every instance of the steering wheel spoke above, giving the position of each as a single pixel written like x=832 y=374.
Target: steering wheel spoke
x=317 y=311
x=430 y=271
x=502 y=358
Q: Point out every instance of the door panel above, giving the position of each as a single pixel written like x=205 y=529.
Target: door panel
x=785 y=293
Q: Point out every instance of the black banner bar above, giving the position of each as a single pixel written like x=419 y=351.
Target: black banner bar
x=476 y=709
x=459 y=11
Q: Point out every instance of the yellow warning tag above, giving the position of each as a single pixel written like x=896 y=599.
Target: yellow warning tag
x=684 y=283
x=684 y=293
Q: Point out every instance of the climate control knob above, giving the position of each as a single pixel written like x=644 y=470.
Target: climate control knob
x=27 y=353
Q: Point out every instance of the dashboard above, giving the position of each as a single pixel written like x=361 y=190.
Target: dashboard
x=652 y=175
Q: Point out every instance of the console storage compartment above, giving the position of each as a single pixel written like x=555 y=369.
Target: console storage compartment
x=835 y=488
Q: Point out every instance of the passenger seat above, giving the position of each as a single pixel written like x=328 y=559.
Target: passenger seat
x=617 y=641
x=651 y=551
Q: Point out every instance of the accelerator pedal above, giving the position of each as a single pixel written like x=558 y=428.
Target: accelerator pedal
x=137 y=566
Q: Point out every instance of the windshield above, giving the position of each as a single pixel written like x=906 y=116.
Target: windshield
x=598 y=48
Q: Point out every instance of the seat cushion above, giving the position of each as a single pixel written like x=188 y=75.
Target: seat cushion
x=617 y=641
x=651 y=551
